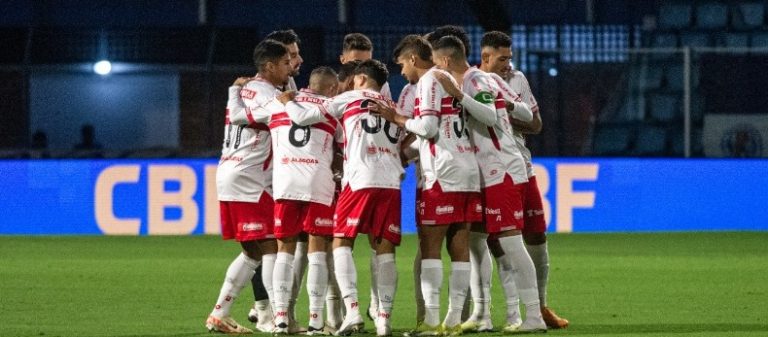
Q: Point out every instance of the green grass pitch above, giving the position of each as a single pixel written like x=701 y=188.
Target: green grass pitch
x=661 y=284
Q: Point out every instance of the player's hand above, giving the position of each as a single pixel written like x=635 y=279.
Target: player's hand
x=449 y=86
x=386 y=111
x=241 y=81
x=286 y=96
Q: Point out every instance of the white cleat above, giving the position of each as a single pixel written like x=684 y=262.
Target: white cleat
x=383 y=327
x=352 y=323
x=312 y=331
x=477 y=325
x=532 y=325
x=225 y=325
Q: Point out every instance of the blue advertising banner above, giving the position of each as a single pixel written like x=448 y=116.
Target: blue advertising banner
x=178 y=196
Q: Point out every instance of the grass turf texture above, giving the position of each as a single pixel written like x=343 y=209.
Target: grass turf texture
x=681 y=284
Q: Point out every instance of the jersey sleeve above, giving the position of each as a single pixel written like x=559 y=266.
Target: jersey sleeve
x=406 y=101
x=385 y=91
x=430 y=96
x=259 y=106
x=306 y=113
x=479 y=98
x=527 y=94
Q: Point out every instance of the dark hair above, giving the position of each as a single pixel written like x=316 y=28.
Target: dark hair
x=496 y=39
x=323 y=71
x=268 y=51
x=348 y=69
x=357 y=41
x=413 y=44
x=452 y=43
x=286 y=37
x=374 y=69
x=450 y=30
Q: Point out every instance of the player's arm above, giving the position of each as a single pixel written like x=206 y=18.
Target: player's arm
x=259 y=108
x=478 y=101
x=426 y=125
x=531 y=127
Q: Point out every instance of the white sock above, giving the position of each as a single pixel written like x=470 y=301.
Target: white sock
x=517 y=258
x=317 y=284
x=346 y=276
x=540 y=256
x=387 y=284
x=507 y=281
x=299 y=268
x=480 y=280
x=264 y=310
x=267 y=269
x=458 y=286
x=238 y=274
x=281 y=281
x=431 y=284
x=374 y=291
x=333 y=296
x=420 y=312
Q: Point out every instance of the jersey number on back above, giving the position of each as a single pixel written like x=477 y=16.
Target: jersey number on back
x=298 y=142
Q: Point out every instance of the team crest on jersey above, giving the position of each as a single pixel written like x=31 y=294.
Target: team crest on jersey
x=253 y=226
x=448 y=209
x=247 y=93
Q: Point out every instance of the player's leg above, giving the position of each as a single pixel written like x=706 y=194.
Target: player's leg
x=265 y=309
x=508 y=285
x=299 y=268
x=333 y=303
x=535 y=237
x=480 y=281
x=457 y=242
x=318 y=225
x=430 y=243
x=288 y=219
x=384 y=236
x=373 y=306
x=418 y=295
x=349 y=217
x=260 y=298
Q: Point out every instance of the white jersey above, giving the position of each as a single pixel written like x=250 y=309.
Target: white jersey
x=371 y=144
x=406 y=103
x=385 y=91
x=303 y=154
x=519 y=85
x=497 y=152
x=449 y=156
x=245 y=169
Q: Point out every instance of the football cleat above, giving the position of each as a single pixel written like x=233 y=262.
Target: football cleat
x=452 y=331
x=552 y=319
x=532 y=325
x=481 y=325
x=383 y=327
x=511 y=327
x=312 y=331
x=280 y=329
x=424 y=329
x=352 y=323
x=225 y=325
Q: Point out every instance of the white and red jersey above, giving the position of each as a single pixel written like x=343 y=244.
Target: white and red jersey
x=497 y=152
x=303 y=154
x=245 y=167
x=386 y=91
x=519 y=85
x=371 y=144
x=407 y=100
x=449 y=156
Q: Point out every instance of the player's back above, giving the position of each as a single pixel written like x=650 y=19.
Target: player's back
x=371 y=144
x=245 y=168
x=519 y=85
x=303 y=154
x=449 y=156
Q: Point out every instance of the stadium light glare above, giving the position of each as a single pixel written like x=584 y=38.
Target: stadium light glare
x=553 y=72
x=102 y=67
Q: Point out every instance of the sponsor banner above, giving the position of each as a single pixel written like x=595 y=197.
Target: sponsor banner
x=735 y=136
x=178 y=196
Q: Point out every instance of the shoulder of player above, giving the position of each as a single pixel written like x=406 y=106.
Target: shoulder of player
x=258 y=88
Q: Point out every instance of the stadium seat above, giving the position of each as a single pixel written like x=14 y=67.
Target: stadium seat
x=665 y=40
x=612 y=140
x=675 y=16
x=748 y=16
x=694 y=39
x=664 y=107
x=651 y=141
x=711 y=15
x=760 y=40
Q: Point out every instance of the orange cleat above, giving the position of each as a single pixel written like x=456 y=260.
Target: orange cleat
x=552 y=319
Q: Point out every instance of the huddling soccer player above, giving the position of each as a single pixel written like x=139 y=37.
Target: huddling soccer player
x=244 y=179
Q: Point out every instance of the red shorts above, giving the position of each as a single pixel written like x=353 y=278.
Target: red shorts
x=247 y=221
x=534 y=209
x=503 y=206
x=372 y=211
x=445 y=208
x=293 y=216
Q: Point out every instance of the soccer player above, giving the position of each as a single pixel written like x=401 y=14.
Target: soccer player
x=370 y=199
x=244 y=178
x=304 y=192
x=450 y=198
x=496 y=55
x=358 y=47
x=291 y=41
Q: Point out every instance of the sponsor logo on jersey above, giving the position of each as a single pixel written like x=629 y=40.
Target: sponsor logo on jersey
x=394 y=229
x=253 y=226
x=296 y=160
x=493 y=211
x=448 y=209
x=309 y=99
x=353 y=221
x=479 y=208
x=323 y=222
x=247 y=93
x=278 y=222
x=518 y=215
x=535 y=212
